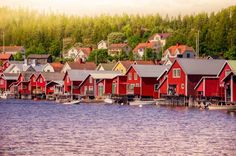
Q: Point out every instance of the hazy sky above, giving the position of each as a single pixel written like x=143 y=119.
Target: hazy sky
x=95 y=7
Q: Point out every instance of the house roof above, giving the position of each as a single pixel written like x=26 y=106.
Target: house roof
x=201 y=66
x=77 y=75
x=162 y=35
x=38 y=56
x=16 y=62
x=86 y=51
x=106 y=66
x=145 y=62
x=11 y=76
x=11 y=48
x=104 y=74
x=5 y=56
x=57 y=66
x=21 y=67
x=150 y=70
x=126 y=64
x=82 y=66
x=52 y=76
x=118 y=46
x=27 y=75
x=181 y=48
x=143 y=45
x=38 y=67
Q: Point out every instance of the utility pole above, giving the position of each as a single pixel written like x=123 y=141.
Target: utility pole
x=3 y=42
x=197 y=43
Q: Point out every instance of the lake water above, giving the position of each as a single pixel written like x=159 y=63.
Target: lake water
x=46 y=128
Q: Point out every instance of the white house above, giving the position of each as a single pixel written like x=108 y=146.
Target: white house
x=159 y=37
x=178 y=51
x=102 y=44
x=77 y=53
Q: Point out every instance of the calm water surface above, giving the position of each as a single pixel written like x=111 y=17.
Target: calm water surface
x=46 y=128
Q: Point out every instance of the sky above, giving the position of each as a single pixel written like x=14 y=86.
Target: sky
x=97 y=7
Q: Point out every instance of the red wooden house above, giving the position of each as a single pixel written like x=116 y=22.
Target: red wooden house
x=230 y=87
x=73 y=79
x=6 y=80
x=23 y=83
x=184 y=75
x=142 y=80
x=214 y=86
x=6 y=57
x=91 y=87
x=32 y=82
x=44 y=78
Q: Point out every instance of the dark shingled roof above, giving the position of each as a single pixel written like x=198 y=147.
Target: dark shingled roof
x=82 y=66
x=52 y=76
x=38 y=56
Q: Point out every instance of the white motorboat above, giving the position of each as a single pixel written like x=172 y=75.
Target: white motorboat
x=7 y=95
x=222 y=107
x=108 y=100
x=141 y=103
x=72 y=102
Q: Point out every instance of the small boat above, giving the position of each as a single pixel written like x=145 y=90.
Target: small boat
x=222 y=107
x=141 y=103
x=108 y=100
x=160 y=101
x=7 y=95
x=72 y=102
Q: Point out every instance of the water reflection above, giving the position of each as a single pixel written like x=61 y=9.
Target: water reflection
x=45 y=128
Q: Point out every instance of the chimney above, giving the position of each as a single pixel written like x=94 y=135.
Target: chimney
x=25 y=62
x=33 y=62
x=177 y=44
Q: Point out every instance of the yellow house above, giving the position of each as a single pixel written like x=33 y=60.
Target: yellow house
x=122 y=66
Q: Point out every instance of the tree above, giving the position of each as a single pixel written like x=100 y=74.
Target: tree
x=231 y=54
x=18 y=56
x=149 y=55
x=116 y=37
x=99 y=56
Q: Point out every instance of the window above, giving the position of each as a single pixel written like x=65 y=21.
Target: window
x=135 y=76
x=156 y=87
x=137 y=85
x=227 y=72
x=33 y=79
x=182 y=86
x=188 y=55
x=176 y=73
x=48 y=70
x=130 y=76
x=90 y=79
x=68 y=79
x=90 y=88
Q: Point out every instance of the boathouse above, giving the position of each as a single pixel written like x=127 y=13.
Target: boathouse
x=142 y=80
x=213 y=87
x=6 y=80
x=89 y=86
x=184 y=75
x=73 y=79
x=44 y=78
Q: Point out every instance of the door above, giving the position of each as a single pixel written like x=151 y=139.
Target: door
x=100 y=90
x=113 y=88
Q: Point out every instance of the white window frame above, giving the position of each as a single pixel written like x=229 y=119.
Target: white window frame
x=155 y=86
x=90 y=79
x=135 y=76
x=176 y=73
x=130 y=76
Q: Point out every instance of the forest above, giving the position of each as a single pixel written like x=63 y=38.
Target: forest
x=53 y=33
